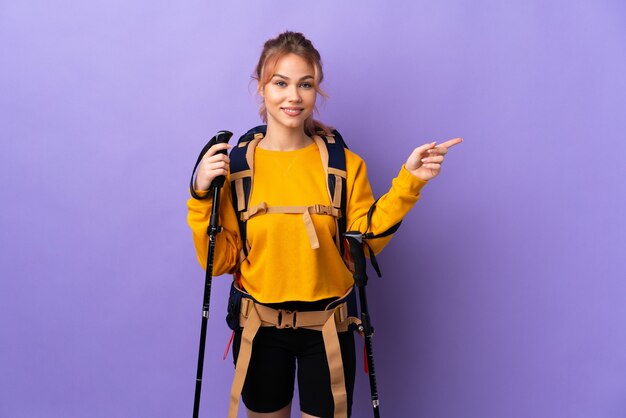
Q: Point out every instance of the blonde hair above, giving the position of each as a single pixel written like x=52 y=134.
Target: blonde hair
x=274 y=49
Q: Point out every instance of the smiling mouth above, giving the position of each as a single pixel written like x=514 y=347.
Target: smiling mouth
x=292 y=111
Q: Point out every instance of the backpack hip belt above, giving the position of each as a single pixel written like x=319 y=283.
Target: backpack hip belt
x=334 y=319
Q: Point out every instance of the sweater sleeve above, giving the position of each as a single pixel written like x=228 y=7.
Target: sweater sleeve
x=228 y=242
x=390 y=208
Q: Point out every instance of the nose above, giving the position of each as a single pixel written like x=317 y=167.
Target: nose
x=294 y=94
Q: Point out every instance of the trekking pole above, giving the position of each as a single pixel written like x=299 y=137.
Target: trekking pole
x=213 y=229
x=355 y=242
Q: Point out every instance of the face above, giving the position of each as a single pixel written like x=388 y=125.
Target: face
x=290 y=94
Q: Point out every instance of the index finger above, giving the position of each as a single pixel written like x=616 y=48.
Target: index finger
x=450 y=143
x=220 y=146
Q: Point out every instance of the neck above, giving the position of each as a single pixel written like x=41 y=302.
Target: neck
x=282 y=138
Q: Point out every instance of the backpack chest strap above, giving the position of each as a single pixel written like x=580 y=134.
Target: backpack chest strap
x=306 y=211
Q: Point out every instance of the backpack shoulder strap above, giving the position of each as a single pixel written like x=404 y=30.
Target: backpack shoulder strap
x=241 y=174
x=332 y=151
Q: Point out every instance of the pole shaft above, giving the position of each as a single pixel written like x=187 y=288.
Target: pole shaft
x=196 y=401
x=212 y=231
x=369 y=350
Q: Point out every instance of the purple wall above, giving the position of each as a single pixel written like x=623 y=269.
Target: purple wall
x=504 y=292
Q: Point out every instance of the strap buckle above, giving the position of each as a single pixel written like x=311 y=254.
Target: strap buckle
x=286 y=319
x=322 y=209
x=341 y=313
x=317 y=209
x=246 y=304
x=259 y=209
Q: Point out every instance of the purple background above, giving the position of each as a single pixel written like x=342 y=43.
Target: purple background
x=504 y=292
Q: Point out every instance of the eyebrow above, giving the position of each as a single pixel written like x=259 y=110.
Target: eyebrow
x=287 y=78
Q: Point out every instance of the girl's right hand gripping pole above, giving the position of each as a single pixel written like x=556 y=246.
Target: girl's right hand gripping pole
x=355 y=243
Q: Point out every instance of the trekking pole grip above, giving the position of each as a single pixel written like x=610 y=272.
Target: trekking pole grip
x=221 y=137
x=357 y=253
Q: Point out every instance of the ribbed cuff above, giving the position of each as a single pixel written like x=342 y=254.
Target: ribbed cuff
x=408 y=182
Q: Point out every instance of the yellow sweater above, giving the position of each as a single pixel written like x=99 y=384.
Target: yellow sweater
x=281 y=265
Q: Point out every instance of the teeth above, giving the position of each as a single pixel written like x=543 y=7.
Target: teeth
x=291 y=110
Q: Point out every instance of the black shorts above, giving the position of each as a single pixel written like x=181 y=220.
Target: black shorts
x=270 y=378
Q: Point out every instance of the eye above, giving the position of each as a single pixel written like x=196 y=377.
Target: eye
x=306 y=85
x=280 y=83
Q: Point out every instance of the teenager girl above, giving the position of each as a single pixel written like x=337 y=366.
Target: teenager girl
x=283 y=270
